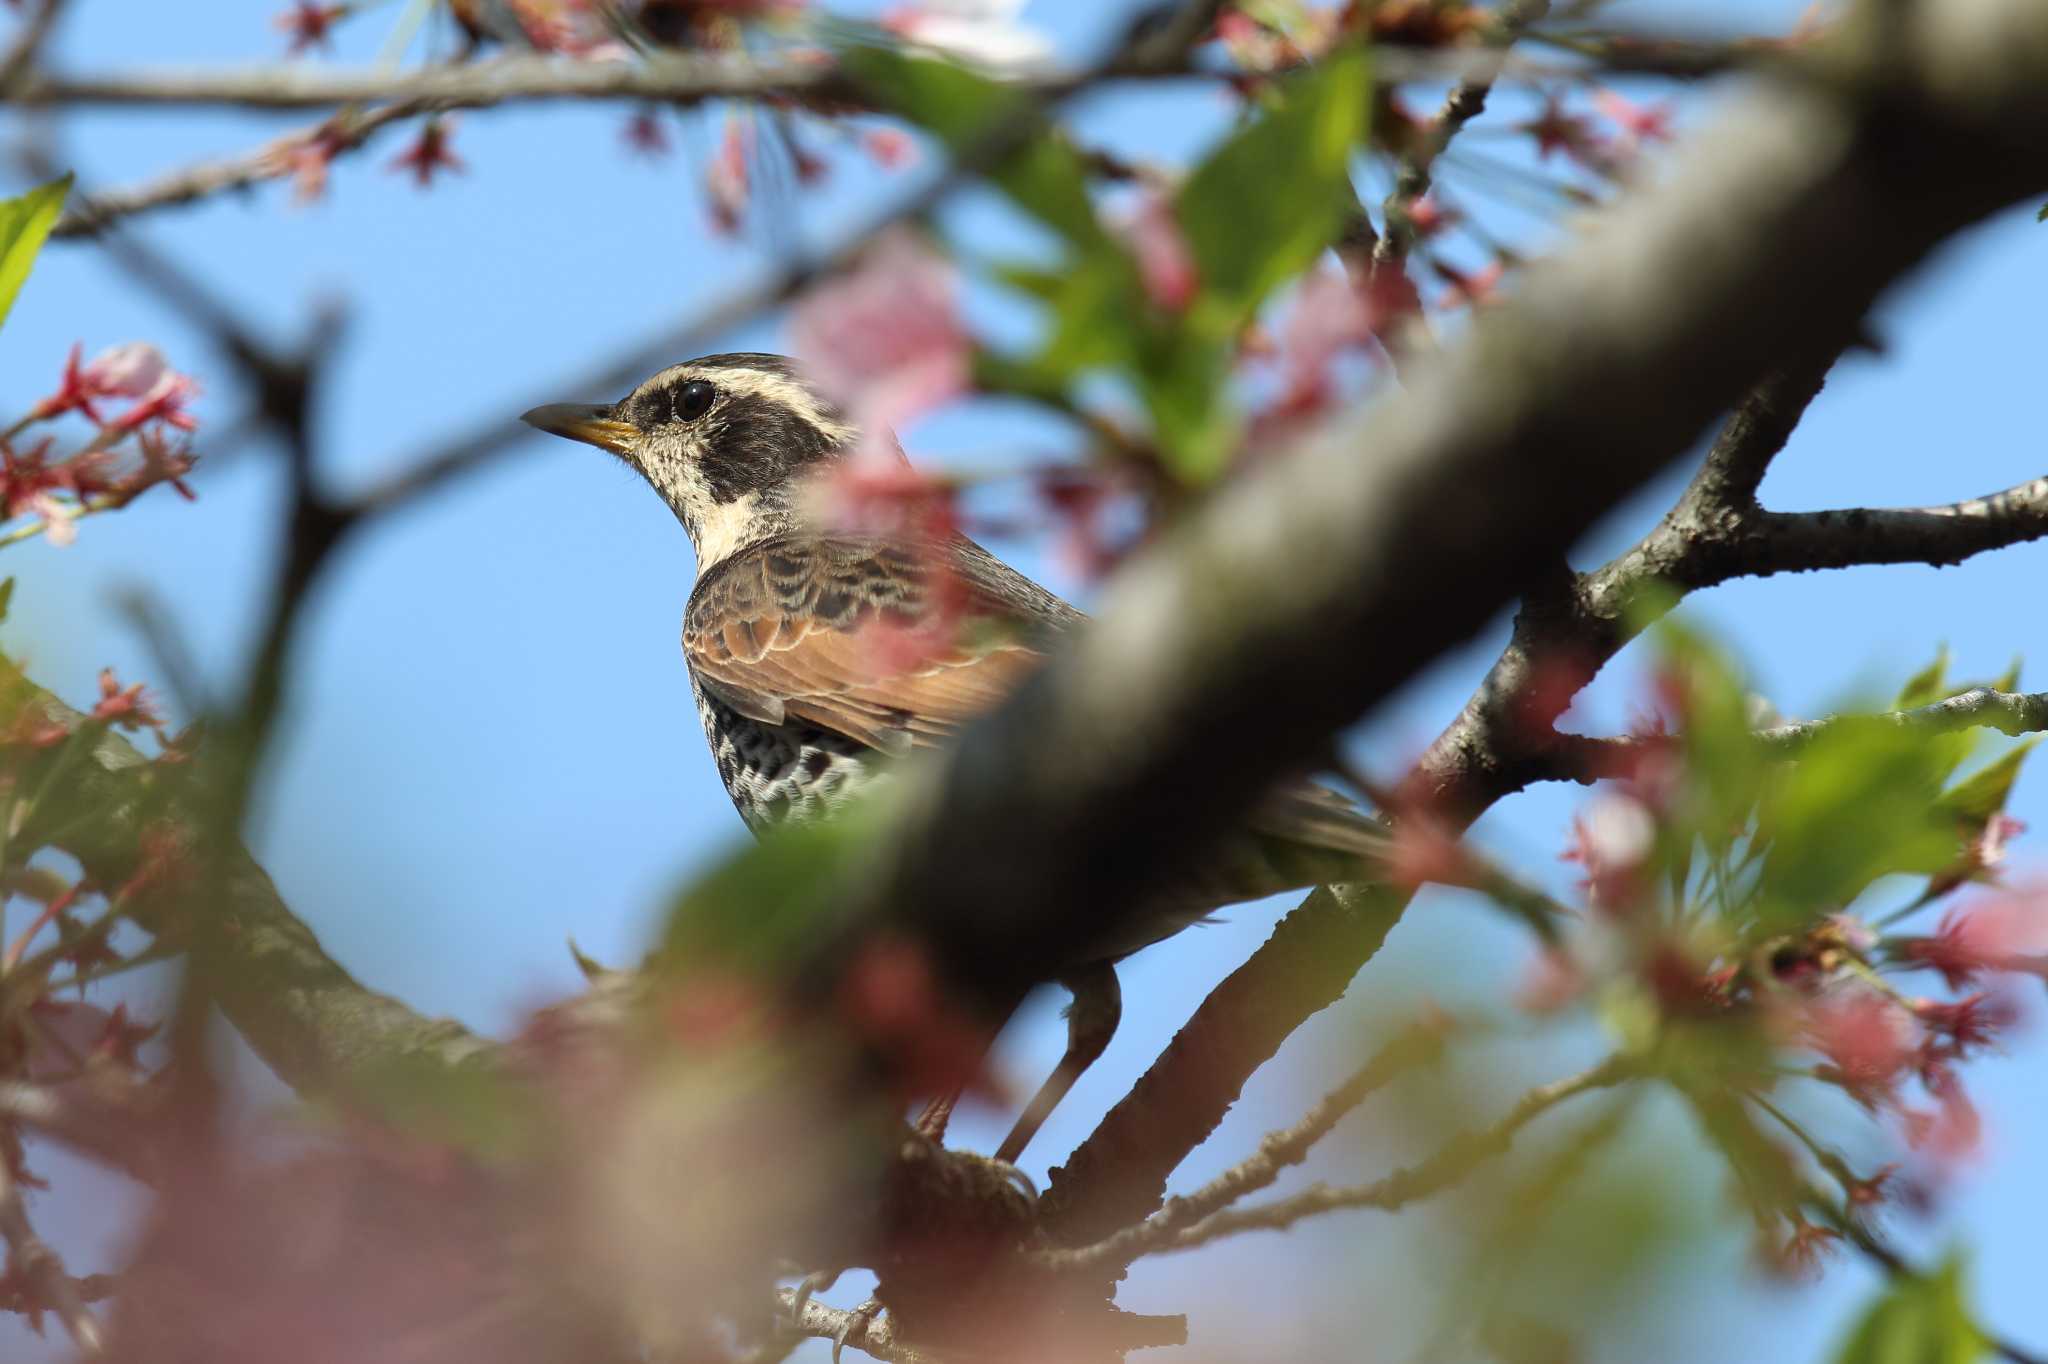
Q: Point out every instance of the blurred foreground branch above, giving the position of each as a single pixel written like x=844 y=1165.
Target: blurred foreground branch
x=1154 y=732
x=308 y=1018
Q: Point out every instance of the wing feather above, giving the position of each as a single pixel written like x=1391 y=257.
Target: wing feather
x=892 y=644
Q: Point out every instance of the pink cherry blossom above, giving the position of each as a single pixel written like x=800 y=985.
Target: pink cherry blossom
x=890 y=148
x=885 y=339
x=1639 y=123
x=726 y=179
x=983 y=32
x=128 y=370
x=1165 y=264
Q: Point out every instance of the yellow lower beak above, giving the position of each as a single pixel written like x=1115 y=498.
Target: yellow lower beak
x=591 y=425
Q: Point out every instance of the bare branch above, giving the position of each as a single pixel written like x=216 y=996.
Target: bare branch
x=1570 y=625
x=1441 y=1170
x=668 y=78
x=868 y=1334
x=874 y=1335
x=1117 y=1176
x=1277 y=1151
x=1947 y=534
x=346 y=131
x=675 y=78
x=20 y=56
x=1584 y=759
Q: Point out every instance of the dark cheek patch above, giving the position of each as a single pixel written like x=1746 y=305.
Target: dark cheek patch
x=753 y=443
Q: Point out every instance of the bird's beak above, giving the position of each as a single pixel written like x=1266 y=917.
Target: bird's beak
x=591 y=425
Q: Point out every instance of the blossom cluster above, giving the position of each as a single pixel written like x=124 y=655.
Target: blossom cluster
x=1744 y=933
x=140 y=409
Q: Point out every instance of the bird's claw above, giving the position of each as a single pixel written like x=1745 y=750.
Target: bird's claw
x=859 y=1316
x=812 y=1283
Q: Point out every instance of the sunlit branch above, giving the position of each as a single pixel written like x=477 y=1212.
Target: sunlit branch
x=1456 y=1160
x=1585 y=759
x=672 y=78
x=1277 y=1151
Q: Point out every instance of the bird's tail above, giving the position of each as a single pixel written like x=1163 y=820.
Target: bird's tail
x=1305 y=835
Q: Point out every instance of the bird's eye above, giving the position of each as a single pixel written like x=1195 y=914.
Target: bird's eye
x=694 y=399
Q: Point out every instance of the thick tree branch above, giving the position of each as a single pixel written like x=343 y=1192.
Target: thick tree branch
x=1155 y=731
x=1570 y=625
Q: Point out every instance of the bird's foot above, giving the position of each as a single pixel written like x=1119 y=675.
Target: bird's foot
x=931 y=1124
x=858 y=1319
x=813 y=1283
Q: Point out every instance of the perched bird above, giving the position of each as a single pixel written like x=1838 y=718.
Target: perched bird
x=794 y=634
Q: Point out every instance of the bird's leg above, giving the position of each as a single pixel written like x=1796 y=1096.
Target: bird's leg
x=1092 y=1016
x=931 y=1124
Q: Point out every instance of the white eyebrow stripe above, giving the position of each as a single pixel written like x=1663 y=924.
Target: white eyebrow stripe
x=776 y=388
x=781 y=390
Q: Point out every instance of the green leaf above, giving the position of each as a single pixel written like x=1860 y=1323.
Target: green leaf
x=2041 y=214
x=1725 y=763
x=1919 y=1319
x=761 y=910
x=6 y=597
x=1859 y=803
x=1926 y=686
x=1268 y=201
x=1983 y=793
x=479 y=1110
x=1044 y=175
x=25 y=223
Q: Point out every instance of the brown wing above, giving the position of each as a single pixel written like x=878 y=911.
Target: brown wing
x=889 y=642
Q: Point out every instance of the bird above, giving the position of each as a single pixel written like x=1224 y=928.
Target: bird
x=805 y=705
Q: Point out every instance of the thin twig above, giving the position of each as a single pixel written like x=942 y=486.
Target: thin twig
x=89 y=1119
x=1895 y=1265
x=30 y=1256
x=20 y=57
x=1586 y=759
x=1277 y=1151
x=92 y=213
x=459 y=456
x=1446 y=1167
x=1466 y=101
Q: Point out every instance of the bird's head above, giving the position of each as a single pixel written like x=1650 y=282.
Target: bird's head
x=727 y=440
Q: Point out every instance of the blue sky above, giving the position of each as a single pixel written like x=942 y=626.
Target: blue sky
x=490 y=747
